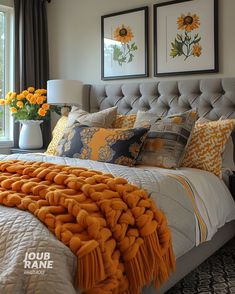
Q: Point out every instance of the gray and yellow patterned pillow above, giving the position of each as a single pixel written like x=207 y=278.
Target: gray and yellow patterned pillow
x=167 y=140
x=119 y=146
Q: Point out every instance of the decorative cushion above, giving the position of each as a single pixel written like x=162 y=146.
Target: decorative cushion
x=124 y=121
x=103 y=119
x=167 y=140
x=107 y=145
x=228 y=155
x=207 y=144
x=145 y=118
x=228 y=152
x=57 y=134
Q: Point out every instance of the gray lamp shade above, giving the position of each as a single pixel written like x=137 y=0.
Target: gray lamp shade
x=64 y=92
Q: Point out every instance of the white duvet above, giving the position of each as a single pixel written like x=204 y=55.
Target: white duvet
x=213 y=198
x=21 y=232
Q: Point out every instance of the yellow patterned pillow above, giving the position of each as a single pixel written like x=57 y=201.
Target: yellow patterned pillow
x=207 y=144
x=124 y=121
x=57 y=134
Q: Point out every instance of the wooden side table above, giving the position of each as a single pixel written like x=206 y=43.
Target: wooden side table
x=18 y=150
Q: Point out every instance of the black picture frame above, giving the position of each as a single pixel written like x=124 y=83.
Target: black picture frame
x=169 y=59
x=124 y=44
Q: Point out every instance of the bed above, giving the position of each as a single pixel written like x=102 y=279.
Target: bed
x=213 y=98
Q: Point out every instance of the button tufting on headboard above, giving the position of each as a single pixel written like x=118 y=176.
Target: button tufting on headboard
x=212 y=97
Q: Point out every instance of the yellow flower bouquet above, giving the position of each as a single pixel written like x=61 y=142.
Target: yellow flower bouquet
x=30 y=104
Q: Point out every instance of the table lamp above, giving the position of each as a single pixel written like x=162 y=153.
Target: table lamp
x=64 y=93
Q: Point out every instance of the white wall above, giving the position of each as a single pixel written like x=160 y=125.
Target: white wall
x=7 y=3
x=75 y=37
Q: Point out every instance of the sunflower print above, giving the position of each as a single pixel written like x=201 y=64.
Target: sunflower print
x=187 y=44
x=124 y=51
x=123 y=34
x=188 y=22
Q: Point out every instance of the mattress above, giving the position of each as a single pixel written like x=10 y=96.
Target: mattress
x=196 y=204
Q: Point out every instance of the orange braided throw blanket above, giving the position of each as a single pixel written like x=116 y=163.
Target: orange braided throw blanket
x=119 y=236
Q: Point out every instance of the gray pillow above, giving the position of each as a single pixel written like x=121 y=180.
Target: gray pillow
x=102 y=119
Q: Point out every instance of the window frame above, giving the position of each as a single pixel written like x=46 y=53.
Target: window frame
x=7 y=140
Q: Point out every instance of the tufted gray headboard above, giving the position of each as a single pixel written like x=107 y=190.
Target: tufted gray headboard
x=212 y=97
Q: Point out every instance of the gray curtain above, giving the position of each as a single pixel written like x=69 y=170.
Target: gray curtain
x=31 y=52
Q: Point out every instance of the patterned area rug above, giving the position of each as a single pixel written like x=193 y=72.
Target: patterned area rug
x=215 y=276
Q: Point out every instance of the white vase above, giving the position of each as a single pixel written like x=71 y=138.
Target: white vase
x=30 y=134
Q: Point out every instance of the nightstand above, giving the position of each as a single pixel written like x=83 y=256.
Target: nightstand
x=18 y=150
x=232 y=185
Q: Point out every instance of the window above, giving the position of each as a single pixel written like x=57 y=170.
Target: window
x=6 y=72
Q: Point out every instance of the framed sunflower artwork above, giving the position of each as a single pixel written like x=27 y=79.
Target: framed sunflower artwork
x=124 y=44
x=185 y=37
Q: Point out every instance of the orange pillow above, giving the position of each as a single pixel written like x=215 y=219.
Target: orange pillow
x=207 y=144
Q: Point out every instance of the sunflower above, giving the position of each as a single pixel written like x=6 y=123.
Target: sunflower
x=188 y=22
x=197 y=50
x=123 y=34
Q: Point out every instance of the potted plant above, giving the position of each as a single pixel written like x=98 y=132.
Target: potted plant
x=30 y=108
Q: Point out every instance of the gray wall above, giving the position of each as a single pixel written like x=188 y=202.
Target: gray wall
x=75 y=42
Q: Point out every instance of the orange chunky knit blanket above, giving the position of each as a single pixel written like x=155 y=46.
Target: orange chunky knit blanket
x=120 y=238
